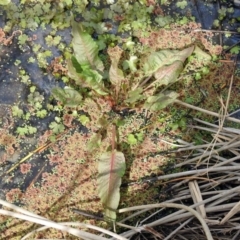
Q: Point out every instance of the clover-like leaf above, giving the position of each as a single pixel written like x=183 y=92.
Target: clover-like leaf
x=56 y=127
x=22 y=39
x=31 y=129
x=41 y=113
x=131 y=139
x=22 y=131
x=16 y=111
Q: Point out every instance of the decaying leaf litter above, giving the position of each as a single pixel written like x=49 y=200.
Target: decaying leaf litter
x=139 y=94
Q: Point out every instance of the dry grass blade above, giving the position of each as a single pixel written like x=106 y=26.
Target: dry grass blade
x=197 y=197
x=75 y=232
x=206 y=111
x=233 y=211
x=155 y=233
x=173 y=205
x=31 y=217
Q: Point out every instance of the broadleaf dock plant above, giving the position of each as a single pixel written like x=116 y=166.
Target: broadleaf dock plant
x=143 y=85
x=111 y=168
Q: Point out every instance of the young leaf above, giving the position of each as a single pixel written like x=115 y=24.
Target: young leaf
x=170 y=65
x=86 y=77
x=4 y=2
x=134 y=96
x=164 y=75
x=85 y=48
x=111 y=168
x=131 y=139
x=94 y=142
x=160 y=101
x=31 y=129
x=68 y=96
x=165 y=57
x=132 y=63
x=16 y=111
x=72 y=72
x=22 y=131
x=200 y=55
x=115 y=74
x=56 y=127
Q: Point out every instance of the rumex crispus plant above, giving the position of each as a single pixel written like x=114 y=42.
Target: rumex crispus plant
x=143 y=85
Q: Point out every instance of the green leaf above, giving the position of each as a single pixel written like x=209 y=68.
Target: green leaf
x=86 y=77
x=134 y=96
x=4 y=2
x=84 y=119
x=37 y=105
x=73 y=68
x=132 y=63
x=131 y=139
x=115 y=74
x=163 y=20
x=57 y=119
x=182 y=4
x=68 y=96
x=85 y=48
x=167 y=74
x=32 y=89
x=17 y=112
x=31 y=129
x=111 y=168
x=22 y=131
x=200 y=55
x=27 y=129
x=160 y=101
x=41 y=113
x=22 y=39
x=68 y=2
x=94 y=81
x=27 y=116
x=52 y=41
x=140 y=136
x=94 y=142
x=57 y=127
x=165 y=57
x=166 y=65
